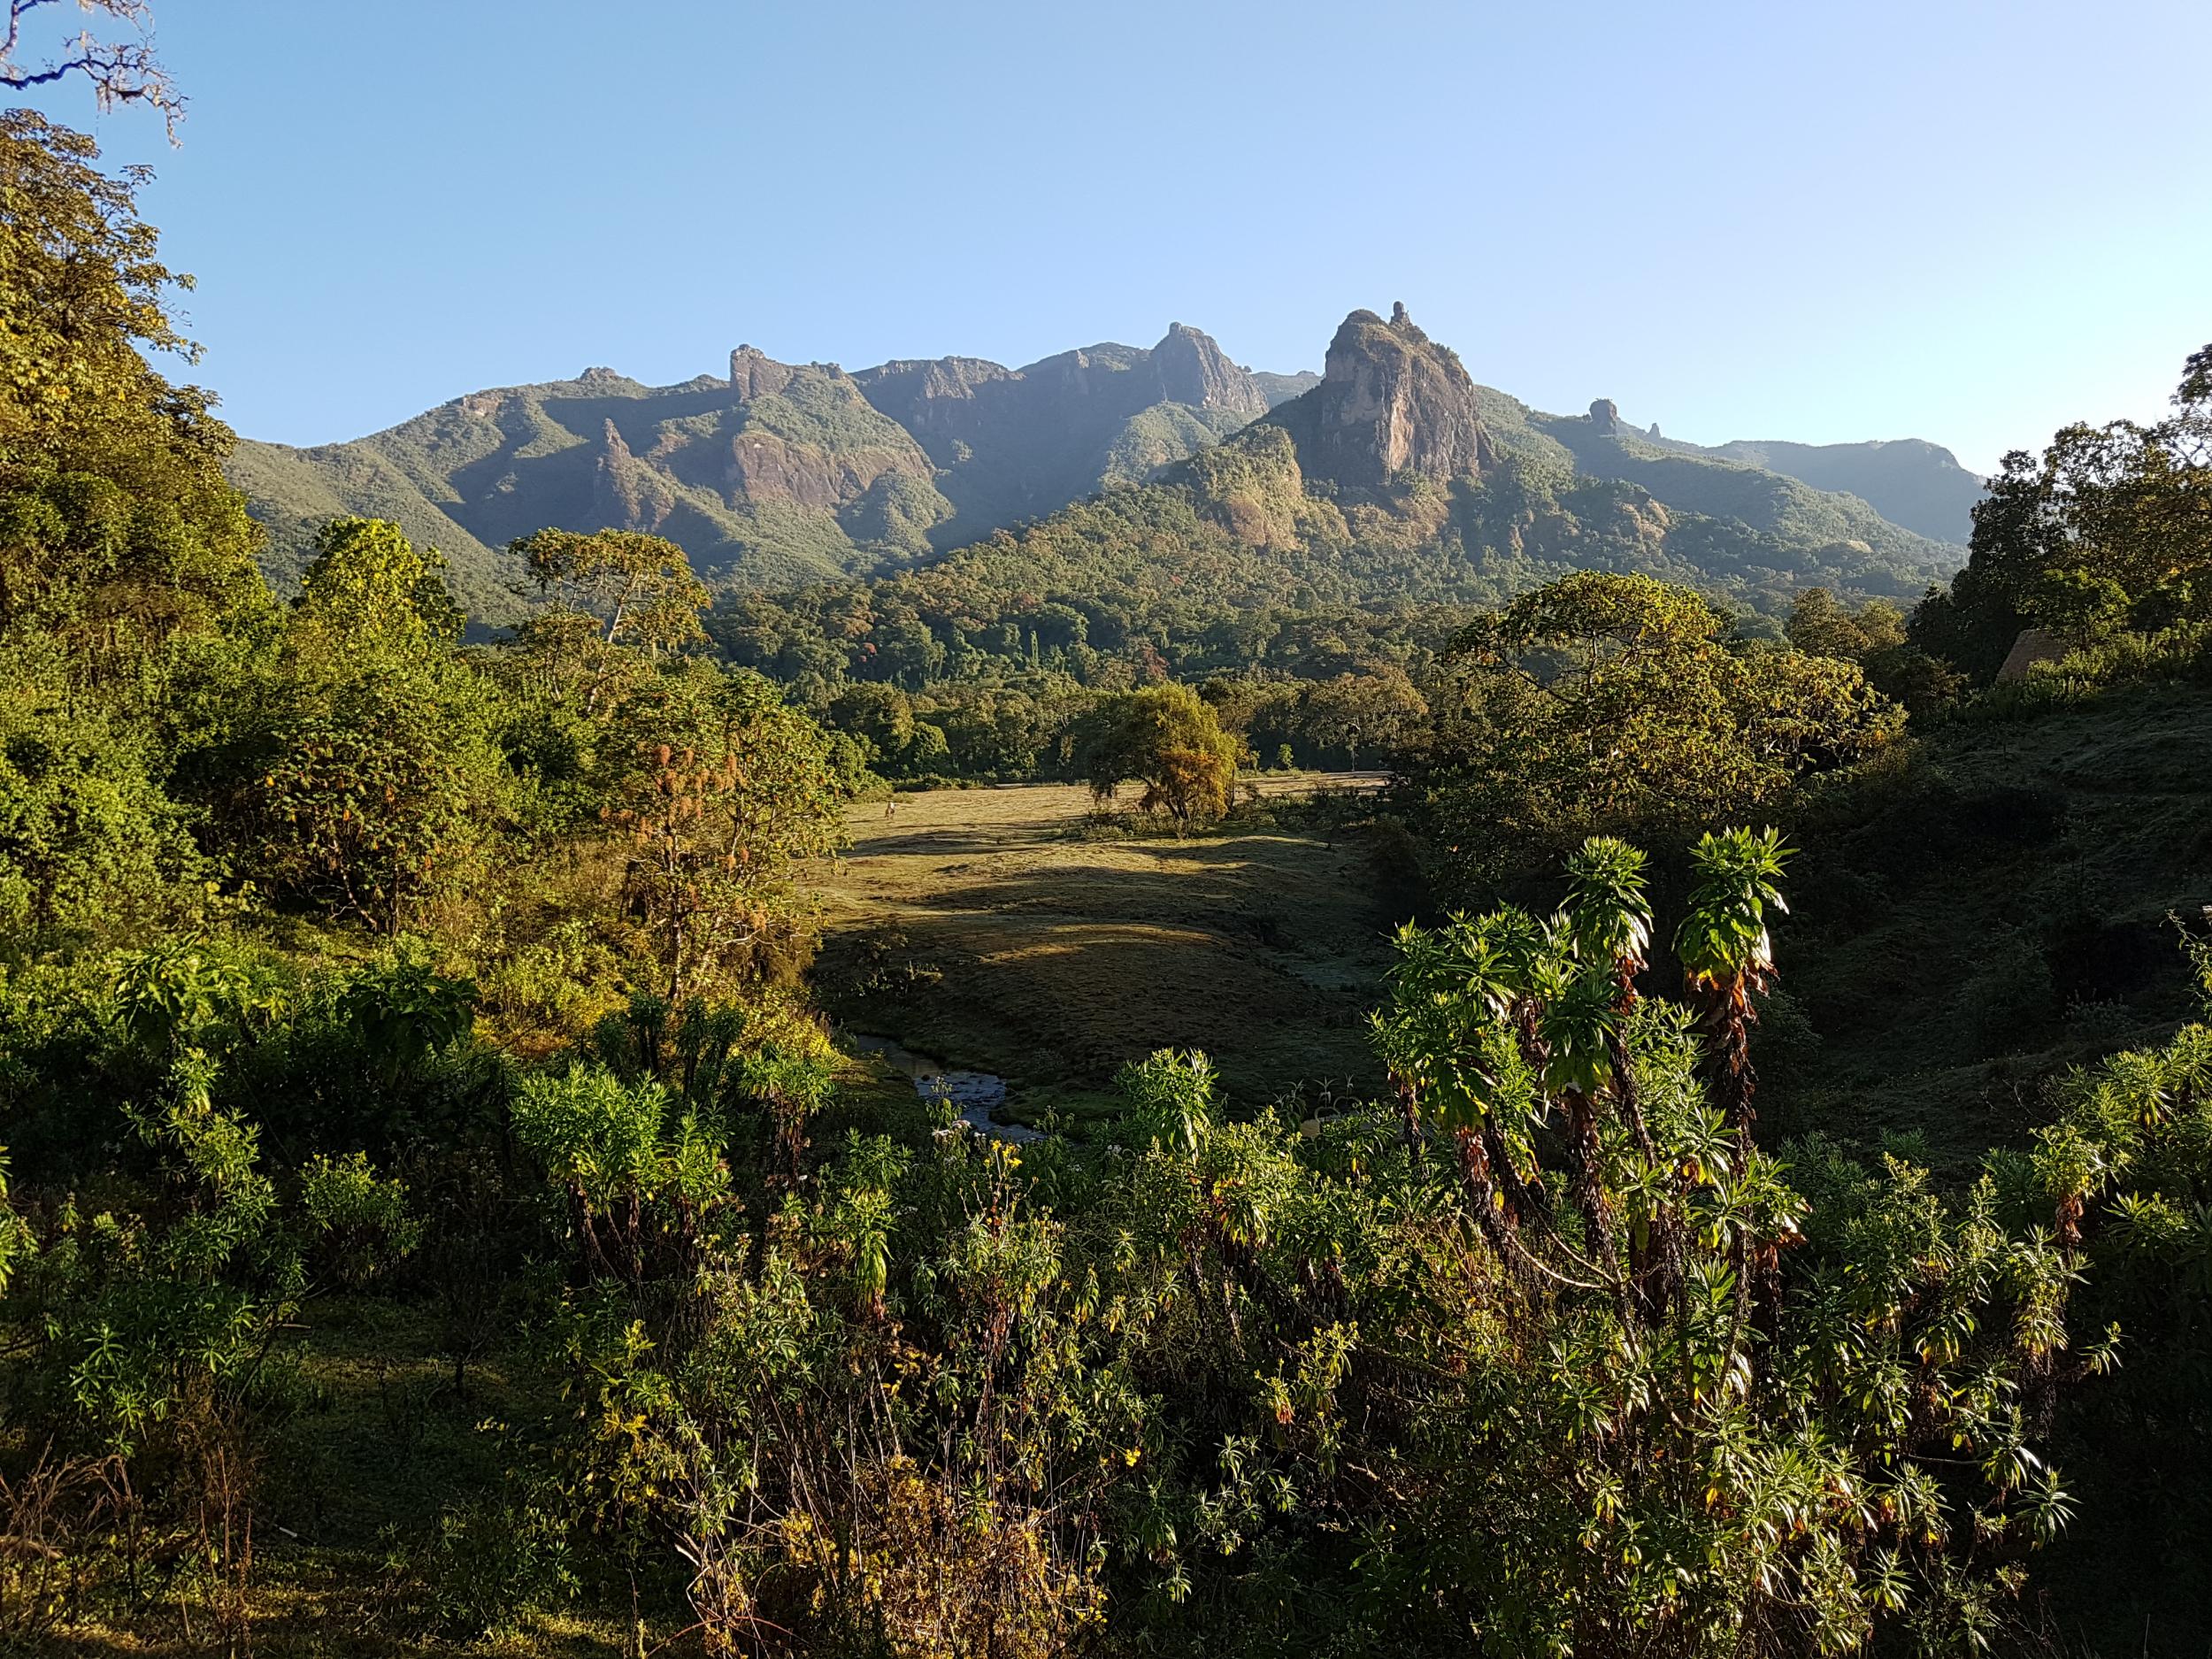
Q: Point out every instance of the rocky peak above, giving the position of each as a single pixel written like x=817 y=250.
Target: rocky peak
x=1194 y=370
x=754 y=374
x=625 y=493
x=1605 y=417
x=1390 y=401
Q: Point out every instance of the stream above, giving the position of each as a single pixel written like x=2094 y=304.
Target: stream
x=975 y=1092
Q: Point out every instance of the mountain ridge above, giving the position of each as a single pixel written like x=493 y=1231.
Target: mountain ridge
x=777 y=475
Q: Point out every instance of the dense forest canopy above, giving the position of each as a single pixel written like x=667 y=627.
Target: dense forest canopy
x=406 y=1022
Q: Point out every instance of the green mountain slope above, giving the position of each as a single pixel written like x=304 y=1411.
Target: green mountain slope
x=778 y=474
x=1394 y=482
x=1837 y=528
x=1915 y=485
x=1910 y=482
x=295 y=492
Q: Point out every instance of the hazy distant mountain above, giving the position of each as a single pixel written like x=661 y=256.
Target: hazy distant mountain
x=1909 y=481
x=1280 y=389
x=778 y=474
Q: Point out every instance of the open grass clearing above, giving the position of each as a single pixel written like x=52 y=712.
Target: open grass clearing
x=1007 y=930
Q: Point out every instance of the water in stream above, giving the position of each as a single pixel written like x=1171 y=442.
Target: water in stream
x=977 y=1093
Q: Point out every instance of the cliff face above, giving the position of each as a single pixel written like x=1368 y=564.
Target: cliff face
x=1016 y=443
x=1391 y=401
x=778 y=473
x=1193 y=370
x=1086 y=390
x=795 y=435
x=629 y=495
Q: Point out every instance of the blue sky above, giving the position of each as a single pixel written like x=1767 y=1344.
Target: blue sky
x=1969 y=222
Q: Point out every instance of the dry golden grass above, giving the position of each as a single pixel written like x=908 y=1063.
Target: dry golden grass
x=1060 y=950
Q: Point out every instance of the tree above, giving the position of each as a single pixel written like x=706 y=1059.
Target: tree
x=90 y=845
x=118 y=529
x=638 y=588
x=1820 y=627
x=1168 y=739
x=617 y=599
x=2110 y=527
x=1379 y=711
x=879 y=716
x=121 y=69
x=125 y=556
x=715 y=788
x=368 y=588
x=1727 y=955
x=366 y=779
x=1604 y=703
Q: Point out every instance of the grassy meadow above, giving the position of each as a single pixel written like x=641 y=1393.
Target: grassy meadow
x=1011 y=930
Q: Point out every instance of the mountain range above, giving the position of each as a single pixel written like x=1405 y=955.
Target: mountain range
x=777 y=475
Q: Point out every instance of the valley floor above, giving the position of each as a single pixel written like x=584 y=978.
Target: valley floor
x=1009 y=929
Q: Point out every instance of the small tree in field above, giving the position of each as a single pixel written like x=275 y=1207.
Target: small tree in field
x=1166 y=738
x=720 y=787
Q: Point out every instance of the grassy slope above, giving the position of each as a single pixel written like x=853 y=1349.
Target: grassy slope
x=1767 y=501
x=1053 y=957
x=1908 y=481
x=1989 y=912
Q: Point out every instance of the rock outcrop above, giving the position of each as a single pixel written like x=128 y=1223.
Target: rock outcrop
x=1014 y=443
x=1605 y=417
x=754 y=374
x=967 y=398
x=627 y=494
x=1391 y=401
x=823 y=447
x=1193 y=370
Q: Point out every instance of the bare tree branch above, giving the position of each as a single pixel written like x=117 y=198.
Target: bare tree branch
x=121 y=70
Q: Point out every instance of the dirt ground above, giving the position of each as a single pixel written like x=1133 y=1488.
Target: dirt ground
x=1003 y=929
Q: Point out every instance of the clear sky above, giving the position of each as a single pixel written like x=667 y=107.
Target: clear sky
x=1820 y=219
